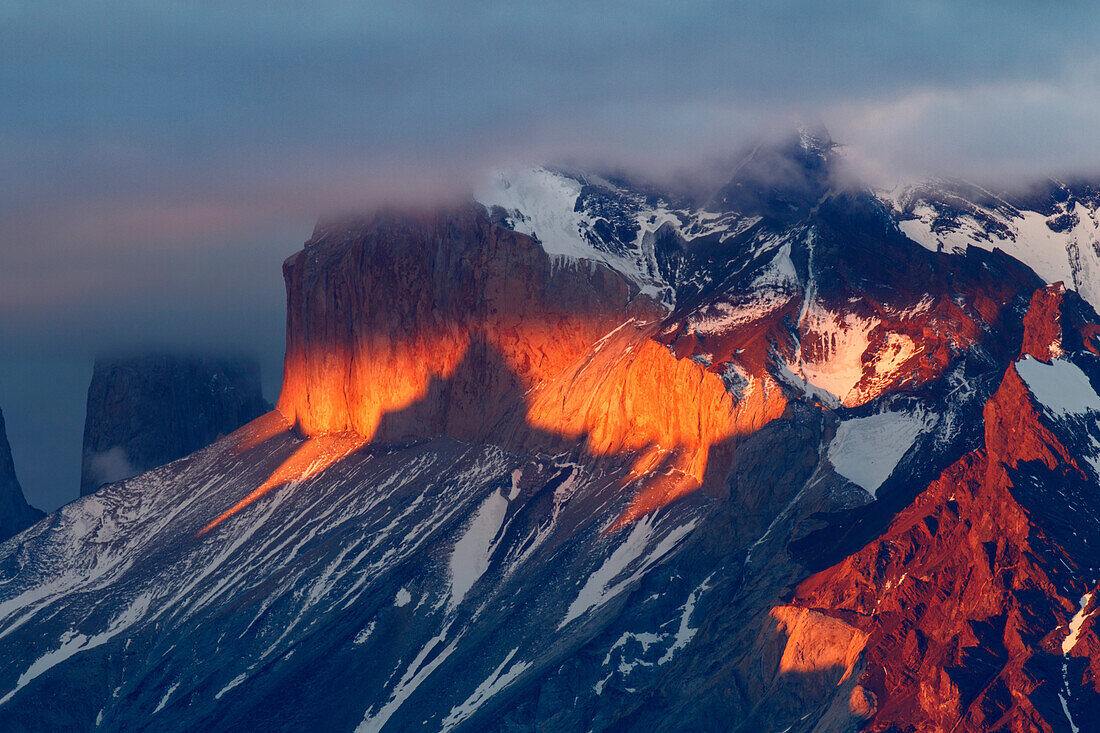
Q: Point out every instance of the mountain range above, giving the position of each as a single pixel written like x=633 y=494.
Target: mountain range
x=584 y=454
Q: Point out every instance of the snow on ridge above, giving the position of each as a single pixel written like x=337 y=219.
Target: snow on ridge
x=722 y=316
x=542 y=204
x=1061 y=387
x=1071 y=255
x=866 y=450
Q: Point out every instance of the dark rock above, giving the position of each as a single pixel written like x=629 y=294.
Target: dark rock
x=146 y=411
x=15 y=514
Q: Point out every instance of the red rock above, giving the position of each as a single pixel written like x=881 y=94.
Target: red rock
x=964 y=598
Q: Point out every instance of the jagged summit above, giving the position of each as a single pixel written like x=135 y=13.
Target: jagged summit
x=781 y=180
x=665 y=242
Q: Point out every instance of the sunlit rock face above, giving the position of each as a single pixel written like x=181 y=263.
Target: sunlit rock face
x=417 y=327
x=982 y=588
x=15 y=514
x=586 y=455
x=146 y=411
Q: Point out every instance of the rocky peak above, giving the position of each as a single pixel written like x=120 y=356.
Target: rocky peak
x=781 y=180
x=586 y=458
x=15 y=514
x=146 y=411
x=1043 y=324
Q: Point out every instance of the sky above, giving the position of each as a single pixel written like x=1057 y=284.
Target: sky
x=159 y=160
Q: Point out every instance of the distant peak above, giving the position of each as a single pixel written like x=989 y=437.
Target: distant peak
x=816 y=140
x=781 y=178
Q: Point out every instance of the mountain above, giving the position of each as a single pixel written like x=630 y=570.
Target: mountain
x=15 y=514
x=1054 y=226
x=585 y=455
x=145 y=411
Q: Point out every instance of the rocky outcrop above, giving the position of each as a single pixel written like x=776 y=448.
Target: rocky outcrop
x=146 y=411
x=975 y=602
x=15 y=514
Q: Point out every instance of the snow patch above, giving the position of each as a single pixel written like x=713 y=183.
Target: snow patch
x=543 y=205
x=1068 y=644
x=599 y=588
x=1075 y=625
x=72 y=643
x=164 y=700
x=474 y=548
x=722 y=317
x=497 y=681
x=403 y=598
x=1060 y=386
x=866 y=450
x=417 y=671
x=232 y=683
x=1070 y=256
x=835 y=361
x=363 y=634
x=685 y=632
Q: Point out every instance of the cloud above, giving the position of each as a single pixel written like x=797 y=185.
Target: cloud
x=109 y=466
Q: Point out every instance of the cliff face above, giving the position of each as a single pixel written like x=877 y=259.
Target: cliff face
x=406 y=327
x=146 y=411
x=15 y=514
x=416 y=327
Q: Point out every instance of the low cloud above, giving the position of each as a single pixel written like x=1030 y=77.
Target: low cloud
x=109 y=466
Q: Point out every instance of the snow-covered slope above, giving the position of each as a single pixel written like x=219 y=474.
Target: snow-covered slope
x=399 y=580
x=585 y=216
x=1054 y=229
